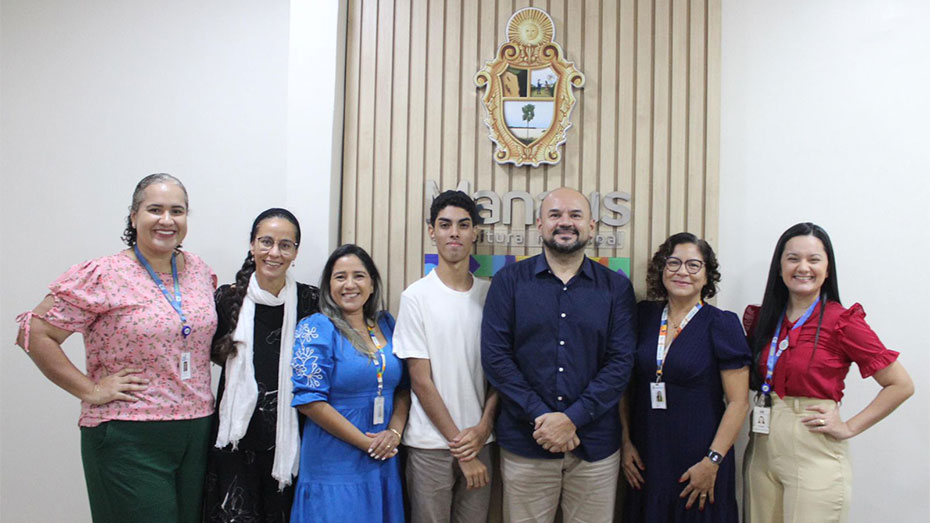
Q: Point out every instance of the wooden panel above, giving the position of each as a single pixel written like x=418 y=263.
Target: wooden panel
x=364 y=194
x=350 y=140
x=396 y=273
x=678 y=132
x=382 y=144
x=640 y=237
x=712 y=127
x=646 y=121
x=696 y=121
x=414 y=140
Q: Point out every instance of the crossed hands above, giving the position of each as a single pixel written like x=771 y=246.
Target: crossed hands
x=465 y=447
x=383 y=445
x=555 y=432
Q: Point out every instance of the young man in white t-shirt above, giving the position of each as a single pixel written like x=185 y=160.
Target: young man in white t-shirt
x=452 y=414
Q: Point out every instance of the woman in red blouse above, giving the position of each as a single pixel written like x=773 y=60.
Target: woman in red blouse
x=803 y=341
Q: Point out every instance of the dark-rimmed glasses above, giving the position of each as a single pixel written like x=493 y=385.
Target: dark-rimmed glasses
x=692 y=266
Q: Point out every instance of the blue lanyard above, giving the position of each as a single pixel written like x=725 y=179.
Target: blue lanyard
x=175 y=300
x=775 y=353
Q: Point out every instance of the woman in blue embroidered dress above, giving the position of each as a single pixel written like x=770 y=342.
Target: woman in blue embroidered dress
x=355 y=394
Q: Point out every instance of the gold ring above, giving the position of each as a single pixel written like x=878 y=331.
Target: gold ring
x=703 y=495
x=823 y=422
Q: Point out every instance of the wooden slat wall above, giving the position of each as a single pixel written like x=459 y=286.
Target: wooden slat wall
x=646 y=121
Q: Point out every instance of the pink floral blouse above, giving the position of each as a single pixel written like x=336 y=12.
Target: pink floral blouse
x=127 y=322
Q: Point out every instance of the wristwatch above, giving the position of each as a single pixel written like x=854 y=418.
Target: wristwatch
x=714 y=456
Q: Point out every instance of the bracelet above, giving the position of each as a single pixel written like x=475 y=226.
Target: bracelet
x=399 y=437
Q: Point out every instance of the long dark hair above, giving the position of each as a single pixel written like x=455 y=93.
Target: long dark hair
x=371 y=308
x=130 y=233
x=224 y=347
x=776 y=293
x=655 y=289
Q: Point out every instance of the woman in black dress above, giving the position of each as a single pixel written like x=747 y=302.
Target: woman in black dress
x=251 y=469
x=677 y=429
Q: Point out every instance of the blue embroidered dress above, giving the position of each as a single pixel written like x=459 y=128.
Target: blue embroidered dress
x=339 y=482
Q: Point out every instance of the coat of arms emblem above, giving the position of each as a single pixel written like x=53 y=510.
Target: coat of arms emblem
x=529 y=92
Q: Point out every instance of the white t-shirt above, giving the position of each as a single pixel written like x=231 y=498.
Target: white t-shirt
x=443 y=326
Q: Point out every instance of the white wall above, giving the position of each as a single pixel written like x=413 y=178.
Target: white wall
x=225 y=94
x=825 y=113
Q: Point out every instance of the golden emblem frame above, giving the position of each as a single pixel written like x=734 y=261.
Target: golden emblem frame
x=529 y=82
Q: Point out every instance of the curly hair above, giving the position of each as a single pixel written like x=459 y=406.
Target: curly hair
x=455 y=199
x=130 y=233
x=655 y=289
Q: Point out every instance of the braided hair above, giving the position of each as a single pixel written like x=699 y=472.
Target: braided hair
x=224 y=346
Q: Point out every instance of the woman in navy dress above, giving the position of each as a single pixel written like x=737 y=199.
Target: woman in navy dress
x=677 y=428
x=353 y=389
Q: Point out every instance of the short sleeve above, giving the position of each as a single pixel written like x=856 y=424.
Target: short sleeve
x=730 y=347
x=860 y=343
x=750 y=318
x=410 y=335
x=312 y=363
x=80 y=297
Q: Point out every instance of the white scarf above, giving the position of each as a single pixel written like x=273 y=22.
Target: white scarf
x=241 y=392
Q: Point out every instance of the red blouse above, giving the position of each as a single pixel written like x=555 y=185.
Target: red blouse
x=845 y=337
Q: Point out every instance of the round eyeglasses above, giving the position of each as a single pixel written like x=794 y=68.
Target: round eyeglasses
x=692 y=266
x=285 y=247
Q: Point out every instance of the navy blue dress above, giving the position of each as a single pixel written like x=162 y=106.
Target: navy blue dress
x=671 y=441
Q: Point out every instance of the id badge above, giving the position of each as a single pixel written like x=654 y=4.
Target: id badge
x=185 y=365
x=761 y=416
x=379 y=410
x=657 y=394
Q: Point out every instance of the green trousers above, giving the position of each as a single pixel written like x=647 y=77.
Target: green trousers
x=145 y=471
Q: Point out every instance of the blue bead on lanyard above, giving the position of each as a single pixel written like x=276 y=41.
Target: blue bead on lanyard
x=174 y=300
x=776 y=349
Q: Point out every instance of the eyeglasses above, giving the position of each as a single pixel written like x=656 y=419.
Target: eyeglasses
x=692 y=266
x=285 y=247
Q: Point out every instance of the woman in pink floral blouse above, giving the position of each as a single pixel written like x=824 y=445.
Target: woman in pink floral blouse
x=147 y=316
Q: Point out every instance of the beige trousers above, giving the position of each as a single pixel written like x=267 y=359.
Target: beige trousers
x=793 y=475
x=533 y=488
x=438 y=490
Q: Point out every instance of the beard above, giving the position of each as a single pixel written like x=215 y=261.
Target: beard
x=560 y=248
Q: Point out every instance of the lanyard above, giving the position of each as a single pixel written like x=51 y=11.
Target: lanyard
x=661 y=351
x=774 y=353
x=174 y=300
x=374 y=339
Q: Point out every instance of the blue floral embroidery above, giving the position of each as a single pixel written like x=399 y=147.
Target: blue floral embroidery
x=305 y=359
